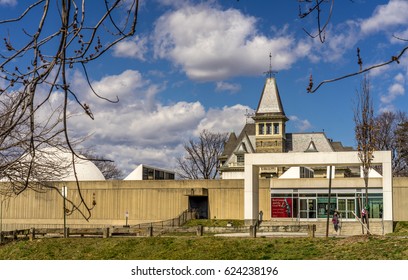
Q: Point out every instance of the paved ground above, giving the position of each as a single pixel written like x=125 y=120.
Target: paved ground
x=274 y=234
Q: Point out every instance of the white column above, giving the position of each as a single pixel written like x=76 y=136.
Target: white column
x=251 y=194
x=387 y=189
x=333 y=175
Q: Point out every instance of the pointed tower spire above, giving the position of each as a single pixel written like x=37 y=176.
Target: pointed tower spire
x=271 y=73
x=270 y=118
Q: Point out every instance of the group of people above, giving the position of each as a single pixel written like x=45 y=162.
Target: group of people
x=336 y=218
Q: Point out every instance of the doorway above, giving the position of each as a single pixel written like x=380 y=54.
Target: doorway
x=200 y=204
x=346 y=206
x=307 y=208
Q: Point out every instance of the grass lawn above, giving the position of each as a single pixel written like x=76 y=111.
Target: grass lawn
x=208 y=248
x=191 y=247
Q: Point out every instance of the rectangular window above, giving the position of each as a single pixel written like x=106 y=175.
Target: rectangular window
x=261 y=128
x=275 y=128
x=240 y=158
x=322 y=205
x=268 y=128
x=148 y=174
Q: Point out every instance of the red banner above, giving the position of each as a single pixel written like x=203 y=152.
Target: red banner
x=281 y=207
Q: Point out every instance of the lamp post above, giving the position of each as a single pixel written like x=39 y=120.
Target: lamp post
x=64 y=196
x=126 y=217
x=328 y=203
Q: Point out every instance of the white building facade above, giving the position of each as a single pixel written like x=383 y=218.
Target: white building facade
x=300 y=166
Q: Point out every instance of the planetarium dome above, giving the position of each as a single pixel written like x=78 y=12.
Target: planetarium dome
x=61 y=159
x=85 y=169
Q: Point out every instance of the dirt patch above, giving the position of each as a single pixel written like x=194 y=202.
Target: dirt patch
x=358 y=239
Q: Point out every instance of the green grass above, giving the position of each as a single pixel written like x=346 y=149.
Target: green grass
x=390 y=247
x=400 y=229
x=208 y=248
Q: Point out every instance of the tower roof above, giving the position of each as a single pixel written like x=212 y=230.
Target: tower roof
x=270 y=102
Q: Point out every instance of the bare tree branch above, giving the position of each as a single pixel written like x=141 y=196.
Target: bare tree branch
x=201 y=159
x=65 y=38
x=391 y=60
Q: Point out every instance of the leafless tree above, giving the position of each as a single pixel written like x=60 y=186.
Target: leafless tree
x=391 y=136
x=365 y=131
x=35 y=64
x=201 y=158
x=402 y=143
x=318 y=7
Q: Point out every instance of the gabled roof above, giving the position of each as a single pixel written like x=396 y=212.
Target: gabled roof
x=270 y=102
x=229 y=146
x=311 y=148
x=300 y=142
x=241 y=149
x=244 y=143
x=338 y=147
x=248 y=130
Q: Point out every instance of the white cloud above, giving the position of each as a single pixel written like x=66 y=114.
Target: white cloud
x=387 y=108
x=140 y=129
x=299 y=124
x=219 y=44
x=385 y=16
x=394 y=90
x=224 y=86
x=135 y=47
x=400 y=78
x=8 y=2
x=226 y=119
x=343 y=37
x=339 y=40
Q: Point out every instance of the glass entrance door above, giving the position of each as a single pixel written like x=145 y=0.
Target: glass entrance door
x=346 y=206
x=307 y=208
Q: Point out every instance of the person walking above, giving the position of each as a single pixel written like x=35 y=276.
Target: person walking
x=364 y=215
x=336 y=221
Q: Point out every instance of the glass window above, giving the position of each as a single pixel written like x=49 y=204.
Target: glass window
x=275 y=128
x=240 y=158
x=261 y=128
x=322 y=205
x=346 y=207
x=268 y=128
x=148 y=174
x=375 y=205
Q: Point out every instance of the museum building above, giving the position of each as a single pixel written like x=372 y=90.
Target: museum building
x=265 y=138
x=289 y=177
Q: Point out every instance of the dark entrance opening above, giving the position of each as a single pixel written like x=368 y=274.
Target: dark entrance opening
x=200 y=204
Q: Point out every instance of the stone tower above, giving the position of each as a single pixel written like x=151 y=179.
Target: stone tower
x=270 y=120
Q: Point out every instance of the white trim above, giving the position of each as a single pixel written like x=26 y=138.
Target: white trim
x=256 y=160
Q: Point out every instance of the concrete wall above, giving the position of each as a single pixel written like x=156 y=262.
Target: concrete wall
x=149 y=201
x=400 y=198
x=145 y=201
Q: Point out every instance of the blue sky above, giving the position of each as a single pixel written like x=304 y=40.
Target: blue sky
x=196 y=65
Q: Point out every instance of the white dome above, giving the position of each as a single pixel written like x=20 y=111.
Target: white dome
x=85 y=169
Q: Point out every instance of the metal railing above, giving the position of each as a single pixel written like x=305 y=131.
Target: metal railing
x=180 y=220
